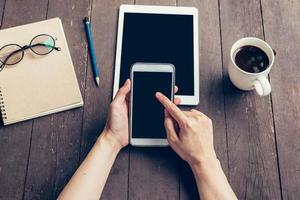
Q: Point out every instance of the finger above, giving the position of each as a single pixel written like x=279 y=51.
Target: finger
x=196 y=111
x=175 y=89
x=177 y=101
x=174 y=122
x=174 y=111
x=122 y=92
x=188 y=113
x=127 y=98
x=166 y=113
x=199 y=113
x=170 y=129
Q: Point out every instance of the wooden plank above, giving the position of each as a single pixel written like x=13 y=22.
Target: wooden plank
x=15 y=139
x=97 y=99
x=55 y=145
x=153 y=172
x=253 y=168
x=211 y=87
x=156 y=2
x=2 y=6
x=282 y=32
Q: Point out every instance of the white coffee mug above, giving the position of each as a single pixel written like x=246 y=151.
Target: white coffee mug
x=246 y=80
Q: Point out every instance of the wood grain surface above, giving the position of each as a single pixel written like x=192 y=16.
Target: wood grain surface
x=282 y=32
x=153 y=172
x=211 y=89
x=104 y=19
x=15 y=140
x=54 y=152
x=256 y=138
x=2 y=6
x=252 y=158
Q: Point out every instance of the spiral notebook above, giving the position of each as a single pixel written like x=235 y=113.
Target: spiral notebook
x=37 y=85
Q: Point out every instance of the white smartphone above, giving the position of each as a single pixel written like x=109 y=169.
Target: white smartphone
x=146 y=112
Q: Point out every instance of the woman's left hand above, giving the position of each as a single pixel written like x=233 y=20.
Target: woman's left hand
x=117 y=125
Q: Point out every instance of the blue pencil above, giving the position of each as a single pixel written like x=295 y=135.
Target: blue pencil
x=87 y=25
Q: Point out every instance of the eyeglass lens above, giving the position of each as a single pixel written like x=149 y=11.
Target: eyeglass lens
x=42 y=44
x=11 y=54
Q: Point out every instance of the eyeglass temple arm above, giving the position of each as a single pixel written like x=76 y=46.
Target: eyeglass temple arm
x=45 y=45
x=1 y=66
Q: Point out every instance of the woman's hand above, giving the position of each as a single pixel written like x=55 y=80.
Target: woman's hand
x=89 y=179
x=117 y=125
x=116 y=128
x=193 y=139
x=190 y=134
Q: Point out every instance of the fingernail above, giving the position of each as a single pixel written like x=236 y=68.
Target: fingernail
x=126 y=82
x=158 y=94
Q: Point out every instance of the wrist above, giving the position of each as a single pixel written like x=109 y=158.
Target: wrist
x=108 y=141
x=198 y=160
x=206 y=165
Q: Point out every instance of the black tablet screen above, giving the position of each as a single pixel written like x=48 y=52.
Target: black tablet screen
x=159 y=38
x=147 y=112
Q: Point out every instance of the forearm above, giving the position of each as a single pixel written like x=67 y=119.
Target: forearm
x=211 y=180
x=89 y=179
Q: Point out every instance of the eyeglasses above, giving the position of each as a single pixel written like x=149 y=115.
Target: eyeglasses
x=12 y=54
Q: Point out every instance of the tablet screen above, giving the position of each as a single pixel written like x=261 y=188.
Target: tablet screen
x=147 y=111
x=159 y=38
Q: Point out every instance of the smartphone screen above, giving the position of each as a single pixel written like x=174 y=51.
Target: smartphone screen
x=147 y=111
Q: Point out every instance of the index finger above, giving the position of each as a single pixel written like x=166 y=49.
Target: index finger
x=174 y=111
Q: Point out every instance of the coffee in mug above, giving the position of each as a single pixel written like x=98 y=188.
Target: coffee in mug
x=251 y=62
x=251 y=59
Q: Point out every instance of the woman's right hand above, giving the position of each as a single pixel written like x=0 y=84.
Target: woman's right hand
x=189 y=133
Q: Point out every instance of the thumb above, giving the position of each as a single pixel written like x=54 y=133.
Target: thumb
x=122 y=92
x=170 y=128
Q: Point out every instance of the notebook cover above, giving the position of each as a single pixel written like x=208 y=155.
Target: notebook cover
x=38 y=85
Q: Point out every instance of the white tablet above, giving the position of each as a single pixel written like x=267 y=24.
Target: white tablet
x=160 y=34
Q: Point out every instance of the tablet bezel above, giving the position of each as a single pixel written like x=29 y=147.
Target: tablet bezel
x=144 y=67
x=185 y=99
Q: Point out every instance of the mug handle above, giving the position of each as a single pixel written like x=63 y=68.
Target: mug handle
x=262 y=86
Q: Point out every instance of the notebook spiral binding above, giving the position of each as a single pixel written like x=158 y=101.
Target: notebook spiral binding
x=2 y=107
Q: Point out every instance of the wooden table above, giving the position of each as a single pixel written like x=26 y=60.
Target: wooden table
x=257 y=138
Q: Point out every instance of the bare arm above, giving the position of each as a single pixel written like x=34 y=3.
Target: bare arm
x=89 y=179
x=190 y=134
x=211 y=180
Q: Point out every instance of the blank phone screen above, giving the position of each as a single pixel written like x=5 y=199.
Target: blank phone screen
x=147 y=112
x=159 y=38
